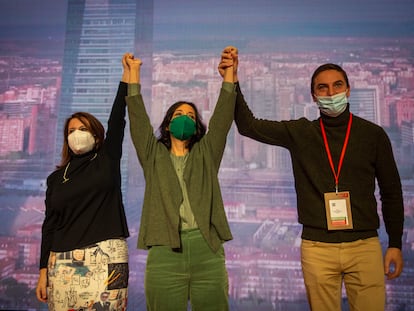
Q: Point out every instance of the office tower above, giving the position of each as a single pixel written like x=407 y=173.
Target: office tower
x=364 y=102
x=98 y=33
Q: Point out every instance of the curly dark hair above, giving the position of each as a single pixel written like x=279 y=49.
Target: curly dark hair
x=164 y=136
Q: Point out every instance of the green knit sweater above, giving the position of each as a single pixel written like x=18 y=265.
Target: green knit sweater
x=163 y=196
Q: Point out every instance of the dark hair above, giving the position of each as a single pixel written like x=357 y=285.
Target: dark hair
x=164 y=136
x=92 y=124
x=324 y=67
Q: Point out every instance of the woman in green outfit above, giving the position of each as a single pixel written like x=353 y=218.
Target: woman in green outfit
x=183 y=222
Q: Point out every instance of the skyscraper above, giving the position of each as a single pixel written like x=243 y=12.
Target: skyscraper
x=98 y=33
x=364 y=102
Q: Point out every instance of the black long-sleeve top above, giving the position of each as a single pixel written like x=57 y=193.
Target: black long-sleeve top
x=368 y=158
x=87 y=208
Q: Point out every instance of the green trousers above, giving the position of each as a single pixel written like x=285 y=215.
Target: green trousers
x=192 y=274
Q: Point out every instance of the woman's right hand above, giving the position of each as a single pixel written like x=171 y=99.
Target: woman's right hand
x=41 y=292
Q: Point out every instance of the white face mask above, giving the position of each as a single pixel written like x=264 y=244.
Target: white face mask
x=334 y=105
x=81 y=141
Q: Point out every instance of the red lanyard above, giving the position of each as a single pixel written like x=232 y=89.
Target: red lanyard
x=328 y=151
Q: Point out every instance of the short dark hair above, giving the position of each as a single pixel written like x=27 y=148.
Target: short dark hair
x=164 y=136
x=328 y=66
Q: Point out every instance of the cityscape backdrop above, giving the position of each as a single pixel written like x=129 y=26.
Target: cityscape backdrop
x=61 y=56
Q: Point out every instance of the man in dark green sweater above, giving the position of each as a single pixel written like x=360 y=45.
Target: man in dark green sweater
x=336 y=161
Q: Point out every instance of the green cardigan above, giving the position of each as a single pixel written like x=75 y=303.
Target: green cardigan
x=160 y=213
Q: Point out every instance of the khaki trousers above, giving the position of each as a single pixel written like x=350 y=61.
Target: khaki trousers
x=359 y=265
x=192 y=274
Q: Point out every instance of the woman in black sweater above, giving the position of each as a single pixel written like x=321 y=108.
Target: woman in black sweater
x=84 y=251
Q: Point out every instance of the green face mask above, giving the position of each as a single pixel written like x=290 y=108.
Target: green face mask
x=182 y=127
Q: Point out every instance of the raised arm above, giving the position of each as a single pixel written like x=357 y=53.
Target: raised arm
x=116 y=121
x=142 y=132
x=267 y=131
x=222 y=117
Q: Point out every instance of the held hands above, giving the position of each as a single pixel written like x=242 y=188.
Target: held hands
x=228 y=64
x=133 y=63
x=131 y=68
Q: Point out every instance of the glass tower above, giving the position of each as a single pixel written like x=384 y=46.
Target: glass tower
x=364 y=103
x=98 y=33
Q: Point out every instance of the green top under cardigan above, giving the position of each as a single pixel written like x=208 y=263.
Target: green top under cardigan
x=160 y=213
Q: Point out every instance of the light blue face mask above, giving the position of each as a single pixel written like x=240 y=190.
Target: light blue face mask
x=334 y=105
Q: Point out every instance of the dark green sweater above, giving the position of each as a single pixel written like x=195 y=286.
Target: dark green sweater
x=368 y=158
x=163 y=195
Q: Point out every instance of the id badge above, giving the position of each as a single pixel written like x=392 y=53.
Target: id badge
x=338 y=210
